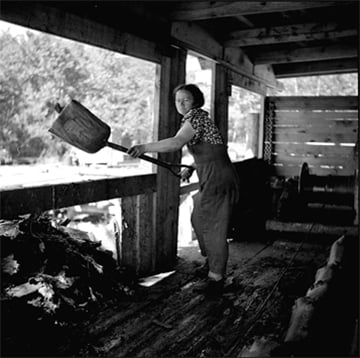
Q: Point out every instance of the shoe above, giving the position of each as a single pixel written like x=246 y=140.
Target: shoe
x=210 y=288
x=203 y=270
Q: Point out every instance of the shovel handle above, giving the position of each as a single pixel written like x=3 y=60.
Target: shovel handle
x=158 y=162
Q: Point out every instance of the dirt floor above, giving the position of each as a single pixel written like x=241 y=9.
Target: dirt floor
x=168 y=319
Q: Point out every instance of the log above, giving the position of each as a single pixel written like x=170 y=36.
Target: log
x=324 y=274
x=261 y=347
x=317 y=292
x=300 y=321
x=337 y=252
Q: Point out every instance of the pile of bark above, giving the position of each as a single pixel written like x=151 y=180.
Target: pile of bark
x=52 y=278
x=323 y=322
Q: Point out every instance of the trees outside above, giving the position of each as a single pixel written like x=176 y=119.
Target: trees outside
x=38 y=70
x=326 y=85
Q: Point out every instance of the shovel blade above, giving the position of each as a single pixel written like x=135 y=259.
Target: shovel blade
x=77 y=126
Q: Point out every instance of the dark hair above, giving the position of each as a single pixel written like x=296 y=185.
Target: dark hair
x=199 y=99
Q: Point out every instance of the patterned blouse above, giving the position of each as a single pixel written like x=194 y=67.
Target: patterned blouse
x=205 y=128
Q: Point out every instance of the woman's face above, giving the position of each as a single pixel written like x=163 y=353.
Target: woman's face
x=184 y=101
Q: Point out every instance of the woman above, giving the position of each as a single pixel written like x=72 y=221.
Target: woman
x=217 y=178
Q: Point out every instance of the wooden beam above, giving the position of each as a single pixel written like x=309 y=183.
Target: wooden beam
x=290 y=33
x=310 y=103
x=193 y=11
x=51 y=20
x=292 y=227
x=192 y=37
x=316 y=53
x=47 y=197
x=244 y=20
x=195 y=38
x=316 y=68
x=244 y=82
x=221 y=100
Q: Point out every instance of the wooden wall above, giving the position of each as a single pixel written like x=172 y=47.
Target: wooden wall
x=321 y=131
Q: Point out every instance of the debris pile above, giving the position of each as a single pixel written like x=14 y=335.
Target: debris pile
x=52 y=278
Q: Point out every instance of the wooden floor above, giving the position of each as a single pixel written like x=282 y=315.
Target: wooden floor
x=169 y=319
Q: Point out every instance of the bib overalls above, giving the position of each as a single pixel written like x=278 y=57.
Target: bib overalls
x=213 y=203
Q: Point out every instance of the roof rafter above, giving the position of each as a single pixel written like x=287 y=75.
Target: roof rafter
x=289 y=33
x=313 y=68
x=315 y=53
x=210 y=10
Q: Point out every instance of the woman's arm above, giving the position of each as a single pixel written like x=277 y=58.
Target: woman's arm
x=183 y=136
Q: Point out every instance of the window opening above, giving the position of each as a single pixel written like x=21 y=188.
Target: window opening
x=40 y=70
x=244 y=116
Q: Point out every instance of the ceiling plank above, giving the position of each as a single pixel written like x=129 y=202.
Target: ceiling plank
x=192 y=37
x=315 y=68
x=217 y=9
x=290 y=33
x=316 y=53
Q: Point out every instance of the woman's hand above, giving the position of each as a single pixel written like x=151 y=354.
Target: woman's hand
x=136 y=150
x=186 y=174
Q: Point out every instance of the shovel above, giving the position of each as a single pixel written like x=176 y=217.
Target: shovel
x=79 y=127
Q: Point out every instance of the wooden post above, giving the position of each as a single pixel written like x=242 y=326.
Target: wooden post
x=356 y=196
x=171 y=73
x=259 y=154
x=253 y=142
x=221 y=100
x=137 y=244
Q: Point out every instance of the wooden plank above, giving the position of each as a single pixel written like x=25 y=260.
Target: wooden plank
x=356 y=197
x=273 y=225
x=336 y=127
x=311 y=103
x=317 y=162
x=147 y=244
x=313 y=131
x=303 y=150
x=130 y=233
x=44 y=17
x=316 y=68
x=288 y=137
x=211 y=10
x=260 y=152
x=289 y=33
x=314 y=53
x=138 y=240
x=38 y=199
x=292 y=170
x=309 y=117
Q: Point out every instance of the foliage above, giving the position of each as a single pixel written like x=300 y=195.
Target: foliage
x=326 y=85
x=38 y=70
x=241 y=104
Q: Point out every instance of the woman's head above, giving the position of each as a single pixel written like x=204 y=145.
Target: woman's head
x=188 y=96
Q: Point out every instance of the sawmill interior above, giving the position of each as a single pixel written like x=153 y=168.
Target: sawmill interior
x=292 y=278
